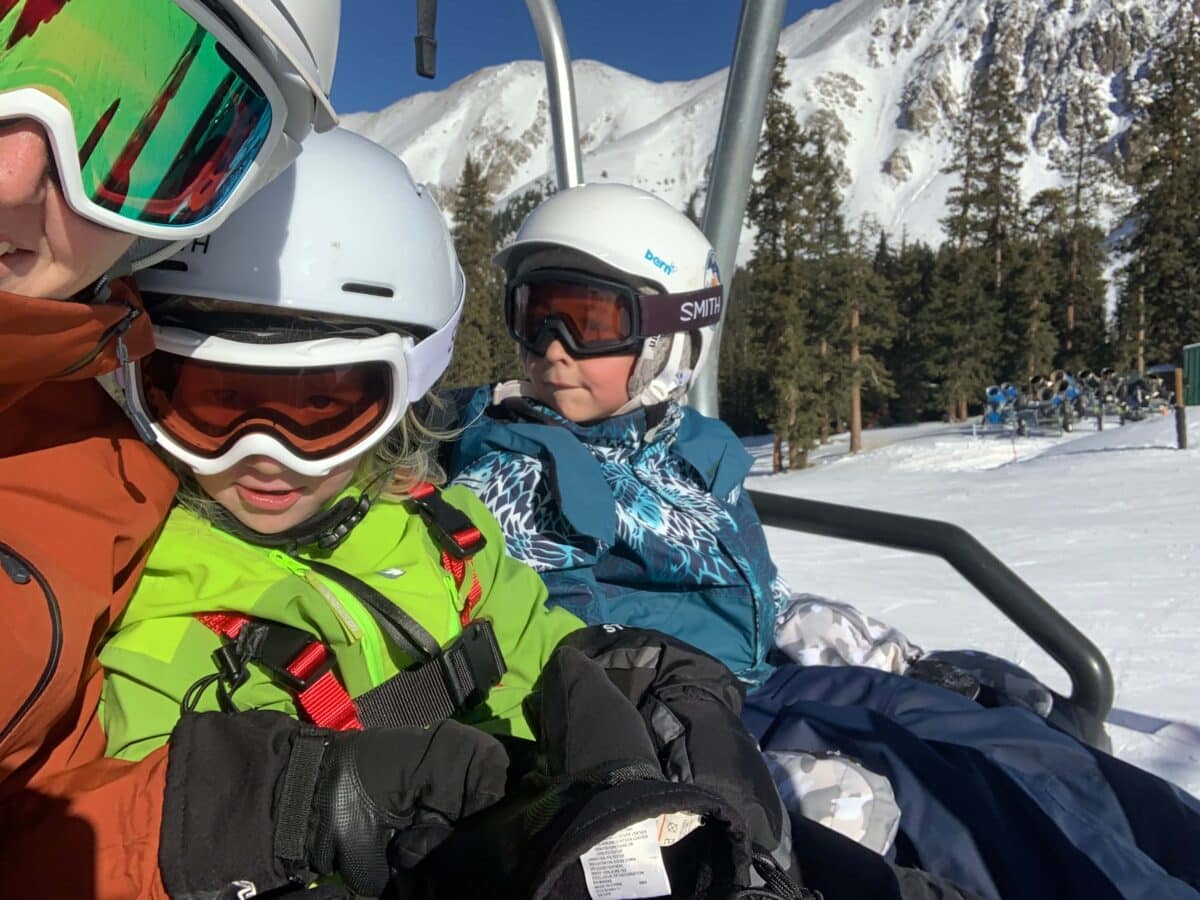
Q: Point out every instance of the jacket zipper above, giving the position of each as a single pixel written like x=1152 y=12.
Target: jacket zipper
x=117 y=329
x=454 y=621
x=347 y=608
x=21 y=571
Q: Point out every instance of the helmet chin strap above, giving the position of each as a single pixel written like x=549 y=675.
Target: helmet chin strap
x=649 y=388
x=324 y=530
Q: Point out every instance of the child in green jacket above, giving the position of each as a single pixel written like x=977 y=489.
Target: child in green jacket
x=289 y=394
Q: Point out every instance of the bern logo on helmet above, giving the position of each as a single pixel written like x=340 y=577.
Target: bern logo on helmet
x=660 y=263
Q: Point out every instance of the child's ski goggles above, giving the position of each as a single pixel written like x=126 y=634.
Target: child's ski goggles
x=309 y=405
x=594 y=317
x=157 y=114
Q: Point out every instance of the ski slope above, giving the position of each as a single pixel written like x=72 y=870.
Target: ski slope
x=1104 y=525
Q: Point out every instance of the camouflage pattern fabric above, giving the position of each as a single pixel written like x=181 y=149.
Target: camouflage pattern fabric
x=817 y=631
x=839 y=793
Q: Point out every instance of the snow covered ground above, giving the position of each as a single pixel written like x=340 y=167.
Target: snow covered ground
x=1105 y=525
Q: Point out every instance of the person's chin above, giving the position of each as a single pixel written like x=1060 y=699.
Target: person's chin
x=42 y=280
x=577 y=412
x=272 y=522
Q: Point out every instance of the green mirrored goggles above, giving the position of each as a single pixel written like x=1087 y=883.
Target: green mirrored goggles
x=155 y=109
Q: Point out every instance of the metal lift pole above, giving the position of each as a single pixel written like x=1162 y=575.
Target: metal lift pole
x=733 y=159
x=560 y=86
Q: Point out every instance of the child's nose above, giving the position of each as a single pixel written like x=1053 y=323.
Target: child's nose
x=556 y=352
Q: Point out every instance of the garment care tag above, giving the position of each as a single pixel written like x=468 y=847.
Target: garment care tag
x=674 y=827
x=628 y=865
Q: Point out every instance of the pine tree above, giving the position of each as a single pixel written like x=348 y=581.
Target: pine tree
x=479 y=344
x=959 y=329
x=1036 y=278
x=741 y=375
x=827 y=286
x=871 y=329
x=1160 y=306
x=997 y=204
x=982 y=222
x=791 y=403
x=910 y=274
x=960 y=199
x=1079 y=309
x=509 y=218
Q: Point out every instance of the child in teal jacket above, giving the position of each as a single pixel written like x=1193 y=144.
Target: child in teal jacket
x=630 y=504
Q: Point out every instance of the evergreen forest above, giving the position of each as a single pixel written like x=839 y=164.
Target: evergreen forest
x=836 y=325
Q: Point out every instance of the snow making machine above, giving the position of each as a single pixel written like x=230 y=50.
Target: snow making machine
x=1002 y=404
x=1144 y=396
x=1091 y=396
x=1050 y=404
x=732 y=169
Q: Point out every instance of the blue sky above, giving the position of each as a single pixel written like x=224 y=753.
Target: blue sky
x=659 y=39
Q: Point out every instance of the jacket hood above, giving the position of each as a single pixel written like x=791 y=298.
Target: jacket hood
x=45 y=340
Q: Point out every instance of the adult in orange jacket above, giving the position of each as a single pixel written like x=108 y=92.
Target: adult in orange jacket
x=94 y=154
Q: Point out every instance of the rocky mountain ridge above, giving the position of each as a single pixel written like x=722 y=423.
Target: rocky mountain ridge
x=888 y=76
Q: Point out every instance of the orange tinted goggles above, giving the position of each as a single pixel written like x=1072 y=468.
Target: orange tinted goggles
x=595 y=317
x=316 y=412
x=591 y=318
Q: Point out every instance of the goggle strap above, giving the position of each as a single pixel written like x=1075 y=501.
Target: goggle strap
x=428 y=360
x=672 y=313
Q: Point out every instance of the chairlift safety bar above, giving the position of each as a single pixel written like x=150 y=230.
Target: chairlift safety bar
x=1091 y=677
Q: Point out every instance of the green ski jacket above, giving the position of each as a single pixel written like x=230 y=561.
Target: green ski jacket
x=158 y=649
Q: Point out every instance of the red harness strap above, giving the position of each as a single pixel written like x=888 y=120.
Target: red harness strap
x=322 y=700
x=464 y=541
x=458 y=571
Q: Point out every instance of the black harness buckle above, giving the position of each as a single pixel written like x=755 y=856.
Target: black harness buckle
x=472 y=665
x=275 y=647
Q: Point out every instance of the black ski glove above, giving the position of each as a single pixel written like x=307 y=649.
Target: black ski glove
x=262 y=799
x=600 y=776
x=691 y=704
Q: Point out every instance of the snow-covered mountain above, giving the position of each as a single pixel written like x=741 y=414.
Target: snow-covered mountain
x=891 y=73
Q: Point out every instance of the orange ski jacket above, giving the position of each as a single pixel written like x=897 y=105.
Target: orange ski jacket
x=81 y=500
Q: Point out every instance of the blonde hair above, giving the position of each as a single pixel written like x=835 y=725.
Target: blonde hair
x=408 y=455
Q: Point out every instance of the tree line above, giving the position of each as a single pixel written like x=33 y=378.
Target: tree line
x=833 y=325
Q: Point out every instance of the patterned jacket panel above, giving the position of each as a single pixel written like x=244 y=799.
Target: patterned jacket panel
x=638 y=520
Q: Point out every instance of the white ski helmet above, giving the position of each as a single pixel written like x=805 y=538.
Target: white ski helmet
x=640 y=240
x=344 y=235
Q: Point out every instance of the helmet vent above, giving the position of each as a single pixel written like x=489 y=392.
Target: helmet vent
x=171 y=265
x=355 y=287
